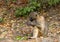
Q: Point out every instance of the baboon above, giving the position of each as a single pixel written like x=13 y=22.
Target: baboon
x=39 y=25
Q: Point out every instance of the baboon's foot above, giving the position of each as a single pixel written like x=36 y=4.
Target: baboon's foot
x=32 y=37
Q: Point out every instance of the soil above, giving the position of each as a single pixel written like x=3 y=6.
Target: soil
x=12 y=26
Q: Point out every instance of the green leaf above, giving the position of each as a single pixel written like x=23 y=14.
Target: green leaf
x=14 y=0
x=21 y=38
x=1 y=19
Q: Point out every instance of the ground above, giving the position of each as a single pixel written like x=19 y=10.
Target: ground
x=12 y=27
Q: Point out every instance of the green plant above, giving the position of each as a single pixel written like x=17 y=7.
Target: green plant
x=32 y=6
x=21 y=38
x=14 y=0
x=8 y=1
x=53 y=2
x=1 y=19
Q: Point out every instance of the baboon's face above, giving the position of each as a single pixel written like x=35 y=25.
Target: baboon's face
x=33 y=16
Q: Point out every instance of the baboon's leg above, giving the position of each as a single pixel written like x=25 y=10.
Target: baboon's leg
x=35 y=32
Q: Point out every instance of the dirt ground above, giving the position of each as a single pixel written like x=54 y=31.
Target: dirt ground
x=12 y=26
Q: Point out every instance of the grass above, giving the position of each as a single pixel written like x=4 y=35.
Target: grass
x=1 y=20
x=33 y=5
x=21 y=38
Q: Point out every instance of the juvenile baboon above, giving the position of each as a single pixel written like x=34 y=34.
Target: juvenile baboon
x=39 y=24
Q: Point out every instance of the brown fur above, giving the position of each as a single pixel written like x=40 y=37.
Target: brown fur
x=40 y=26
